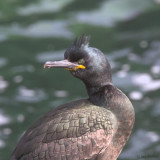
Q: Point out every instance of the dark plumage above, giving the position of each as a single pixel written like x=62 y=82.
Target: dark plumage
x=96 y=128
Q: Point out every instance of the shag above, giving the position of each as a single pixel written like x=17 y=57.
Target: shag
x=96 y=128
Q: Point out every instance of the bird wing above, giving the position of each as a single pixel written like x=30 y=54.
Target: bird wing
x=68 y=134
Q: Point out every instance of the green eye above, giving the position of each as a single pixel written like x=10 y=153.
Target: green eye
x=81 y=61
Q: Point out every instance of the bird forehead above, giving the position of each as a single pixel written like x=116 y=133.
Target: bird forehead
x=77 y=54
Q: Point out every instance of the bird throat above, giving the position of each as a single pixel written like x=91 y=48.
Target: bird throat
x=97 y=95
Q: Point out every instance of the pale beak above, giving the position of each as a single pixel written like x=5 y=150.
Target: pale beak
x=64 y=64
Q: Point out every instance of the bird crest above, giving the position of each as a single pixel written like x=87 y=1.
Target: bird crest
x=81 y=42
x=77 y=48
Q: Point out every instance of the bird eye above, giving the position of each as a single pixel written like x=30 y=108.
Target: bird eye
x=81 y=61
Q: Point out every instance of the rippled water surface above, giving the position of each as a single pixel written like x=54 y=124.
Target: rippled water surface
x=32 y=32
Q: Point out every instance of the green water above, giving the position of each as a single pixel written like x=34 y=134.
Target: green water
x=32 y=32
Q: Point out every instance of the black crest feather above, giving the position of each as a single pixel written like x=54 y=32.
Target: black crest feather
x=82 y=41
x=76 y=49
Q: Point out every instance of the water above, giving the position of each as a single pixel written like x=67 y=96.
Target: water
x=32 y=32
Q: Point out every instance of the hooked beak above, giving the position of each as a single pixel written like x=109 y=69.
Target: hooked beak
x=73 y=66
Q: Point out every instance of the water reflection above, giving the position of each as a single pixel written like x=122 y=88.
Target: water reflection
x=43 y=6
x=45 y=28
x=141 y=139
x=156 y=109
x=29 y=95
x=136 y=95
x=3 y=61
x=145 y=82
x=61 y=93
x=4 y=119
x=45 y=56
x=24 y=68
x=18 y=79
x=3 y=84
x=112 y=11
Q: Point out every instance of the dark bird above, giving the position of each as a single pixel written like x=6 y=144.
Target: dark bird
x=96 y=128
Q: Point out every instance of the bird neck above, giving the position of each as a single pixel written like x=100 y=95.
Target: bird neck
x=97 y=93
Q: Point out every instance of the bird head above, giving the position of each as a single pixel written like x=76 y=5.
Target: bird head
x=84 y=62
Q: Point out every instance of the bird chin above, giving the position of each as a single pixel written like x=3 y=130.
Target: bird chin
x=76 y=73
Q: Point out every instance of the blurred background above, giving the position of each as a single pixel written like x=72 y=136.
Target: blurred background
x=32 y=32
